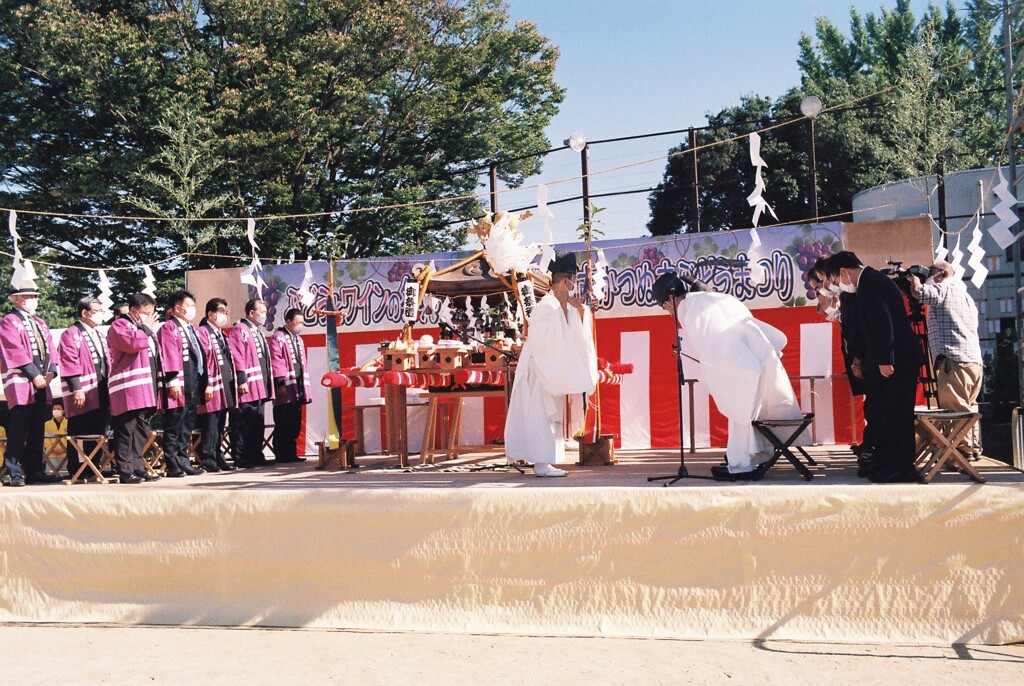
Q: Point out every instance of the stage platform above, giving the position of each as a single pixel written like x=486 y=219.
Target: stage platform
x=470 y=546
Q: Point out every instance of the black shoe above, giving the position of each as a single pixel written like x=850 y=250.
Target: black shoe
x=226 y=466
x=193 y=471
x=146 y=476
x=43 y=479
x=722 y=473
x=131 y=479
x=175 y=475
x=210 y=466
x=15 y=481
x=286 y=460
x=895 y=476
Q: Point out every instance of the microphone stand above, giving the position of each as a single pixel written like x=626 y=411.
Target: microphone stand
x=683 y=473
x=509 y=356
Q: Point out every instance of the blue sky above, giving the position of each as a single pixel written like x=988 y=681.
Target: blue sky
x=642 y=66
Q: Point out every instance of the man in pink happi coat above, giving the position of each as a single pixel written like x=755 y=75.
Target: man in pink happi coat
x=291 y=385
x=85 y=368
x=223 y=394
x=27 y=365
x=134 y=384
x=251 y=357
x=183 y=364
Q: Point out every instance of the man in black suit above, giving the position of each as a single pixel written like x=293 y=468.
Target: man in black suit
x=890 y=363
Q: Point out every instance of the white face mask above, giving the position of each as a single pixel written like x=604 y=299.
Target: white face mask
x=848 y=287
x=261 y=319
x=834 y=289
x=31 y=305
x=190 y=313
x=831 y=313
x=221 y=320
x=95 y=317
x=825 y=292
x=295 y=329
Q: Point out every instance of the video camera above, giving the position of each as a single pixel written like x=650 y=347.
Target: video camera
x=901 y=276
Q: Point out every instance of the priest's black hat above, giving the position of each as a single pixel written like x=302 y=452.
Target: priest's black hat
x=22 y=291
x=667 y=285
x=564 y=263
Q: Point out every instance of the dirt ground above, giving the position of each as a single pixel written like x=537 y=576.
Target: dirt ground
x=69 y=654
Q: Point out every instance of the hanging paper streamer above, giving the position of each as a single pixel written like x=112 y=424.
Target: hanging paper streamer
x=941 y=253
x=956 y=257
x=509 y=320
x=253 y=274
x=755 y=199
x=1005 y=210
x=471 y=318
x=547 y=248
x=410 y=297
x=149 y=282
x=600 y=277
x=977 y=254
x=758 y=274
x=444 y=312
x=306 y=297
x=105 y=300
x=23 y=274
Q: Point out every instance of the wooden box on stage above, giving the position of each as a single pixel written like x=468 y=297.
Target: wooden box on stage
x=427 y=358
x=601 y=453
x=452 y=358
x=400 y=359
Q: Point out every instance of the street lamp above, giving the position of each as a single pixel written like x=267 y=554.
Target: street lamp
x=811 y=107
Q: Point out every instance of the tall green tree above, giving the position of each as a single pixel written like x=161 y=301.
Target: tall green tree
x=262 y=107
x=914 y=89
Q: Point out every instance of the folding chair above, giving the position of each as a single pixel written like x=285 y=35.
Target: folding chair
x=939 y=432
x=155 y=464
x=55 y=456
x=77 y=443
x=268 y=438
x=193 y=448
x=781 y=433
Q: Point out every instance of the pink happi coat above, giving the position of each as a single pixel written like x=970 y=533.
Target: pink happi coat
x=245 y=355
x=172 y=341
x=282 y=365
x=214 y=380
x=76 y=360
x=16 y=352
x=131 y=365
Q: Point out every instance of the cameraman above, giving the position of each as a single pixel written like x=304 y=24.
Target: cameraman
x=953 y=341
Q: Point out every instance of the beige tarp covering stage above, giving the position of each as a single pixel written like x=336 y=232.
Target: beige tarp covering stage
x=910 y=564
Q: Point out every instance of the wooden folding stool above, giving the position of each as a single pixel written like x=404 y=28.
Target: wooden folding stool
x=55 y=463
x=939 y=432
x=88 y=459
x=156 y=465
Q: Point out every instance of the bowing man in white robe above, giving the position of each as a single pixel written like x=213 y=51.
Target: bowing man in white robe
x=740 y=361
x=558 y=360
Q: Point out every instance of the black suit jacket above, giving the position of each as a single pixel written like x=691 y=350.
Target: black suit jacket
x=887 y=334
x=853 y=338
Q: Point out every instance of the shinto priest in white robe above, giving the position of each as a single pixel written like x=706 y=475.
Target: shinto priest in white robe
x=558 y=360
x=741 y=365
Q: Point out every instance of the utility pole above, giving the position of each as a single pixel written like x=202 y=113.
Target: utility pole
x=1011 y=144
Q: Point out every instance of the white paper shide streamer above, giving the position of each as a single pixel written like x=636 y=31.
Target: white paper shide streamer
x=977 y=254
x=956 y=258
x=253 y=274
x=600 y=277
x=306 y=296
x=1004 y=210
x=758 y=274
x=149 y=282
x=756 y=199
x=24 y=275
x=547 y=248
x=105 y=300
